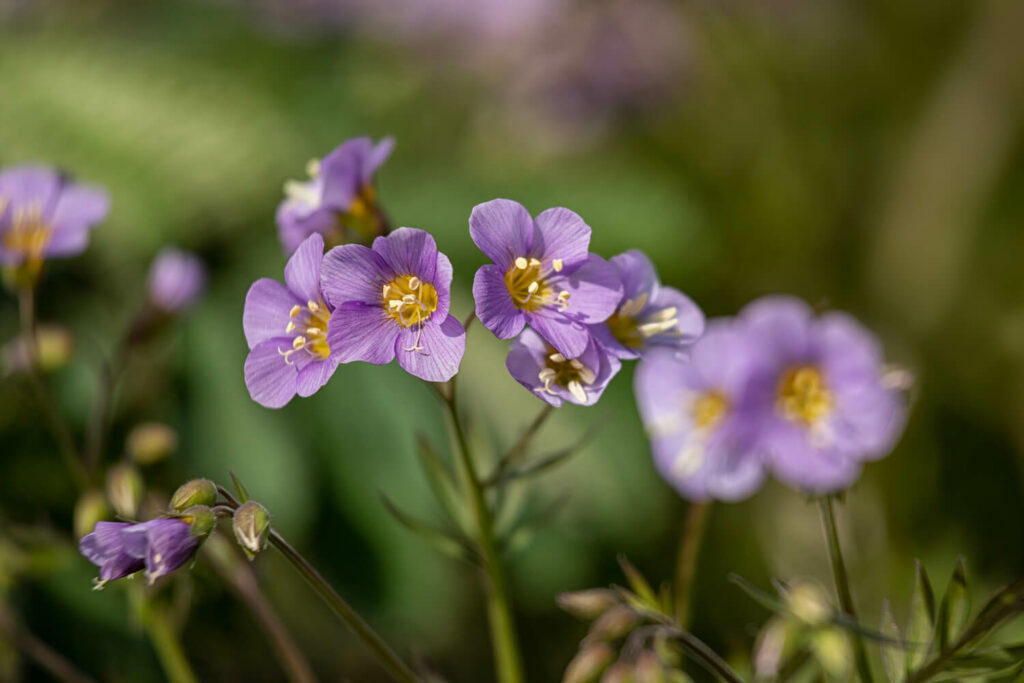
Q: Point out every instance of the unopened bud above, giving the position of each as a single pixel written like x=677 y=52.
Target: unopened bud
x=252 y=527
x=832 y=650
x=773 y=645
x=54 y=346
x=588 y=664
x=151 y=442
x=200 y=519
x=648 y=669
x=90 y=508
x=613 y=624
x=620 y=672
x=588 y=604
x=195 y=492
x=124 y=489
x=809 y=603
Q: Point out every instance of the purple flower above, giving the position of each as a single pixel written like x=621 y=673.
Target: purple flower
x=286 y=329
x=649 y=314
x=44 y=215
x=176 y=279
x=338 y=198
x=392 y=301
x=159 y=545
x=828 y=404
x=539 y=367
x=543 y=274
x=699 y=416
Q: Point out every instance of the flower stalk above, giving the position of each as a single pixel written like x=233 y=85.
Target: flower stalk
x=686 y=560
x=842 y=581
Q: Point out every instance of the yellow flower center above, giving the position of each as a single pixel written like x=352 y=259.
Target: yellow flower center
x=631 y=331
x=709 y=409
x=569 y=373
x=408 y=300
x=361 y=215
x=803 y=395
x=29 y=233
x=308 y=324
x=526 y=282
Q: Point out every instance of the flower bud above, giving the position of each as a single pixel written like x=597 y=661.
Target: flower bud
x=54 y=346
x=588 y=664
x=200 y=519
x=252 y=527
x=832 y=650
x=124 y=489
x=809 y=603
x=588 y=604
x=90 y=508
x=648 y=669
x=195 y=492
x=619 y=672
x=176 y=279
x=613 y=624
x=151 y=442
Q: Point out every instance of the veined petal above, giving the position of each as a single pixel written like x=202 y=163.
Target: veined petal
x=688 y=314
x=353 y=273
x=442 y=348
x=362 y=332
x=561 y=234
x=595 y=291
x=503 y=230
x=296 y=221
x=171 y=544
x=376 y=158
x=603 y=335
x=342 y=172
x=636 y=272
x=565 y=334
x=494 y=304
x=409 y=251
x=315 y=375
x=270 y=380
x=443 y=286
x=302 y=272
x=266 y=310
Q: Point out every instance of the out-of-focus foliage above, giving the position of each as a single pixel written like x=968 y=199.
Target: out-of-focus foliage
x=863 y=155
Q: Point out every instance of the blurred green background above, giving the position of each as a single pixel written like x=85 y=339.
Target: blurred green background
x=863 y=154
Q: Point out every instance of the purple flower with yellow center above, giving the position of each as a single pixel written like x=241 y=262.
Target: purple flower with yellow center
x=159 y=546
x=391 y=302
x=543 y=274
x=830 y=404
x=176 y=279
x=286 y=329
x=542 y=369
x=649 y=314
x=338 y=199
x=44 y=215
x=699 y=416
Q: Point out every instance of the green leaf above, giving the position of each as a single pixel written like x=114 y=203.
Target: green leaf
x=921 y=623
x=639 y=584
x=763 y=598
x=445 y=542
x=243 y=495
x=441 y=482
x=893 y=656
x=538 y=466
x=955 y=609
x=1006 y=604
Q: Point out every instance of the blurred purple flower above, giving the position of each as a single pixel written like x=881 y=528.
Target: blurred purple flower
x=699 y=416
x=649 y=314
x=44 y=215
x=543 y=274
x=392 y=300
x=159 y=545
x=828 y=405
x=176 y=279
x=339 y=197
x=539 y=367
x=286 y=329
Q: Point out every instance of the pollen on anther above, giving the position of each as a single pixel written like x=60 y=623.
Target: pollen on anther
x=557 y=264
x=414 y=282
x=295 y=310
x=312 y=306
x=387 y=288
x=557 y=358
x=533 y=287
x=521 y=263
x=314 y=331
x=298 y=342
x=290 y=328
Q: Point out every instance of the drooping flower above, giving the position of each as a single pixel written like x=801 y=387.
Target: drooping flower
x=159 y=546
x=543 y=274
x=699 y=416
x=392 y=301
x=44 y=215
x=176 y=279
x=828 y=403
x=649 y=313
x=286 y=329
x=542 y=369
x=339 y=200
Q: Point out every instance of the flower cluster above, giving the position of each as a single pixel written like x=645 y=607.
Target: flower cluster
x=776 y=389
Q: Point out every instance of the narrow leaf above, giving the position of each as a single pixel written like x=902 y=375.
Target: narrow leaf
x=638 y=583
x=243 y=495
x=955 y=609
x=921 y=624
x=441 y=482
x=443 y=541
x=763 y=598
x=894 y=657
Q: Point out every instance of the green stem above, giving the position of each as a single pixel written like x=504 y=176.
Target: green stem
x=165 y=641
x=828 y=520
x=61 y=431
x=386 y=657
x=686 y=560
x=508 y=660
x=518 y=449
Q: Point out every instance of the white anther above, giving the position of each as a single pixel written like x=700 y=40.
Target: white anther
x=556 y=358
x=414 y=282
x=295 y=310
x=290 y=328
x=533 y=287
x=312 y=306
x=576 y=389
x=314 y=331
x=298 y=342
x=651 y=329
x=534 y=262
x=387 y=288
x=557 y=264
x=313 y=168
x=395 y=303
x=664 y=314
x=521 y=263
x=587 y=375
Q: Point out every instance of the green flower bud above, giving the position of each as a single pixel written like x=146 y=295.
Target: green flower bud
x=252 y=527
x=809 y=603
x=648 y=668
x=54 y=346
x=613 y=624
x=195 y=492
x=151 y=442
x=588 y=604
x=90 y=508
x=588 y=664
x=832 y=649
x=124 y=489
x=201 y=520
x=619 y=672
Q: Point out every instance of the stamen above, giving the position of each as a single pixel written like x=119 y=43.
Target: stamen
x=534 y=262
x=557 y=358
x=312 y=306
x=290 y=328
x=414 y=282
x=576 y=389
x=387 y=288
x=313 y=168
x=587 y=375
x=521 y=263
x=314 y=331
x=298 y=342
x=532 y=289
x=295 y=310
x=557 y=264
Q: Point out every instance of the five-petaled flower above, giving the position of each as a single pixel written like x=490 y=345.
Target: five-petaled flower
x=176 y=279
x=543 y=274
x=542 y=369
x=700 y=417
x=392 y=301
x=828 y=400
x=286 y=329
x=649 y=314
x=44 y=215
x=338 y=199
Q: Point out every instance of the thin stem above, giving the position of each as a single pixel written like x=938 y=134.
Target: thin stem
x=61 y=431
x=42 y=654
x=165 y=641
x=519 y=447
x=686 y=560
x=99 y=419
x=386 y=657
x=508 y=660
x=469 y=320
x=828 y=521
